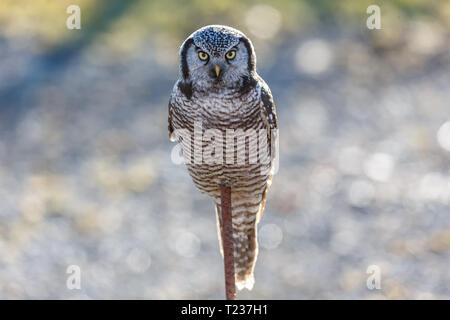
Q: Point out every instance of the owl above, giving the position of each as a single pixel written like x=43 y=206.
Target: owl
x=220 y=99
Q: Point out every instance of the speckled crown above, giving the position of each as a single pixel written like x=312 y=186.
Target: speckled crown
x=216 y=38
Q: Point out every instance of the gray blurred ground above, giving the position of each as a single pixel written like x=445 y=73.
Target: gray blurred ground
x=86 y=177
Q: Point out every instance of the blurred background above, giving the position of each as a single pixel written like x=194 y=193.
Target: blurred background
x=86 y=177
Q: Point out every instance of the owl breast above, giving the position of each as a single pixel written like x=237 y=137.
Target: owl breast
x=236 y=117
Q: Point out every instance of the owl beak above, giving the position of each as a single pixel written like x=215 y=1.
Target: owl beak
x=217 y=70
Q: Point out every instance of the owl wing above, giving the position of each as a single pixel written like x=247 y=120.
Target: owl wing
x=170 y=127
x=270 y=117
x=183 y=90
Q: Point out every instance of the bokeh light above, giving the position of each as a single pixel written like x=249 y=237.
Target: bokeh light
x=443 y=136
x=263 y=21
x=314 y=57
x=270 y=236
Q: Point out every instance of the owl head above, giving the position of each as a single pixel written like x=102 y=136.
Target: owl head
x=216 y=56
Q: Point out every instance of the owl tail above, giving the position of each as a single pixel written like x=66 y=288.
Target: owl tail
x=245 y=242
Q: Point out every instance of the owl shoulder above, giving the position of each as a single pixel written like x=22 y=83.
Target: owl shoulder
x=185 y=87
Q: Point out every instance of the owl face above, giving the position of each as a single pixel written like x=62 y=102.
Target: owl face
x=217 y=56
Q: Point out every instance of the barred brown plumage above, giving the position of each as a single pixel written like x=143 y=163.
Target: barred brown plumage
x=235 y=99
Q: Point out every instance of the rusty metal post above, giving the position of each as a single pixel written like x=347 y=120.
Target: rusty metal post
x=227 y=241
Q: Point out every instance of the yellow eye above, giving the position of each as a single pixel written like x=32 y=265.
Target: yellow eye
x=203 y=55
x=231 y=54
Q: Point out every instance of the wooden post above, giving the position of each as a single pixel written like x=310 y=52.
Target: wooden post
x=227 y=241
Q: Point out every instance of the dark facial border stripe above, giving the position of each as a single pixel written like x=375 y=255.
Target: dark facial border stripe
x=251 y=52
x=183 y=53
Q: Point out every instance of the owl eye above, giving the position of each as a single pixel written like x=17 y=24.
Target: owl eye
x=231 y=54
x=203 y=55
